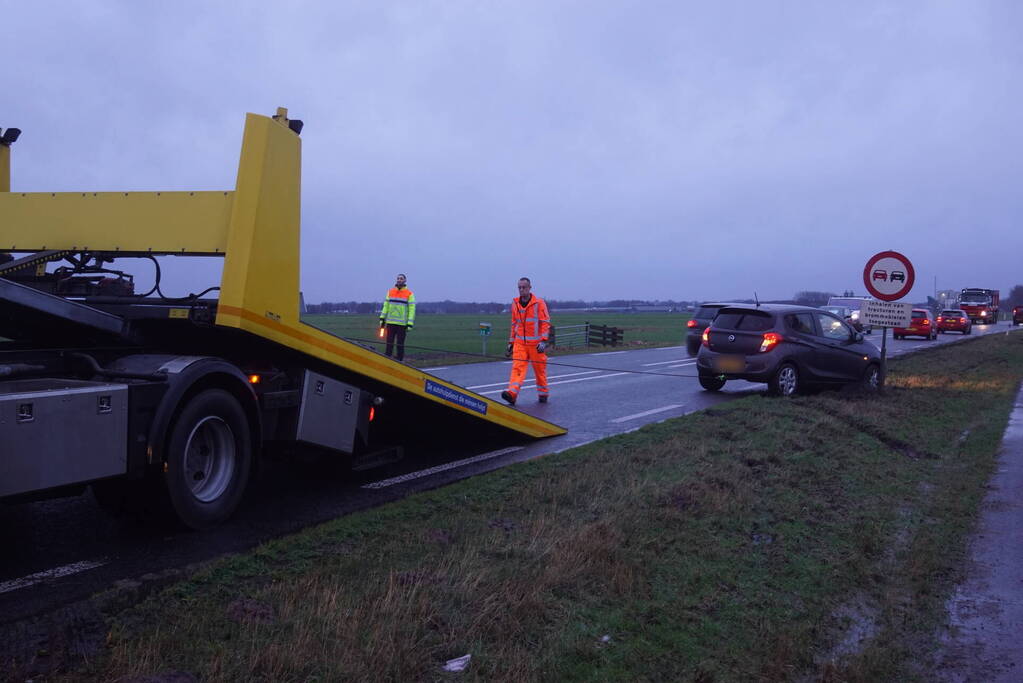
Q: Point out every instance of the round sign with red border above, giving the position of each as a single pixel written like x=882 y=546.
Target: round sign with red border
x=889 y=275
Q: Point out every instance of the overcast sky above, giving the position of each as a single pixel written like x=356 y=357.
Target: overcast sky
x=654 y=150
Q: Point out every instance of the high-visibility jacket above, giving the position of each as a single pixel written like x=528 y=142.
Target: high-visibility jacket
x=530 y=323
x=399 y=307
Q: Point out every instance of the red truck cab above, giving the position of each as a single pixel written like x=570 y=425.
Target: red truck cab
x=980 y=304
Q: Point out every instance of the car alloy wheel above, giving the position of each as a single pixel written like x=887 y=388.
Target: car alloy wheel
x=785 y=381
x=872 y=378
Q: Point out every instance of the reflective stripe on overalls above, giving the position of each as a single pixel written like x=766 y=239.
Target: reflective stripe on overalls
x=530 y=325
x=399 y=307
x=521 y=319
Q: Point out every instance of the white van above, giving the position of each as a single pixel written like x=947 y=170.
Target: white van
x=855 y=305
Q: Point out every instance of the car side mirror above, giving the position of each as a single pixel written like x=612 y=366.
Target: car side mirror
x=857 y=336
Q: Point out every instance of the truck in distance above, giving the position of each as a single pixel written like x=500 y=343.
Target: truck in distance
x=981 y=305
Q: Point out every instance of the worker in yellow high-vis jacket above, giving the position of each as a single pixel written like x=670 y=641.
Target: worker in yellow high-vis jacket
x=397 y=315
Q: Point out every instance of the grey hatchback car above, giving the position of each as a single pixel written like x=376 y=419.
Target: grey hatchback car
x=788 y=347
x=703 y=316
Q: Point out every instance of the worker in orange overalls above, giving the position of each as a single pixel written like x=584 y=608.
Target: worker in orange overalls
x=527 y=342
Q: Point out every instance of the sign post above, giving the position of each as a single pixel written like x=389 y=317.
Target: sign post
x=889 y=276
x=484 y=332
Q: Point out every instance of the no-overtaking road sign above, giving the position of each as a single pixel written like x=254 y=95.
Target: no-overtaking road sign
x=888 y=275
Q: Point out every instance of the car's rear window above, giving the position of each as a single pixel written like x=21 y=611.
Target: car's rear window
x=752 y=321
x=707 y=311
x=917 y=315
x=952 y=312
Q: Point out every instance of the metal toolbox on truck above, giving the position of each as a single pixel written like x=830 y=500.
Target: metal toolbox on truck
x=329 y=414
x=78 y=428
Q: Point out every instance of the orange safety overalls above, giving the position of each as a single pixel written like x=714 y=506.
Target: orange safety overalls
x=530 y=325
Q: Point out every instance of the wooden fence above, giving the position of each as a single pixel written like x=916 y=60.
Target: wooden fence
x=568 y=336
x=605 y=335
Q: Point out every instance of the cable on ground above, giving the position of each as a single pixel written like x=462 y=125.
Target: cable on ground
x=502 y=357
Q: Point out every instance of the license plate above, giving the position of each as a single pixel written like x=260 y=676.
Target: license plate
x=730 y=363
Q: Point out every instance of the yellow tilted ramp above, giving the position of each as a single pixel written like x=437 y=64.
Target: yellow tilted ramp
x=257 y=230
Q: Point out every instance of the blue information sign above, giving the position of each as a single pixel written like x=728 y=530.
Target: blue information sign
x=456 y=397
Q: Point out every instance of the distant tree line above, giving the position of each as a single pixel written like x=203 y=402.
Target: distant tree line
x=493 y=307
x=1013 y=298
x=806 y=298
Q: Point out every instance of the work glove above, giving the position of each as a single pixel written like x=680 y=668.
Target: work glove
x=382 y=324
x=541 y=347
x=410 y=326
x=508 y=351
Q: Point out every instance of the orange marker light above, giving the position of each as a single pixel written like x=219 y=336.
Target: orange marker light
x=372 y=412
x=254 y=379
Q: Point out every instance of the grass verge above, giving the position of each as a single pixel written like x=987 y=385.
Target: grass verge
x=767 y=539
x=455 y=339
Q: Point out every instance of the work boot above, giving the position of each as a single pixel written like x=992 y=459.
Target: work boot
x=543 y=398
x=509 y=397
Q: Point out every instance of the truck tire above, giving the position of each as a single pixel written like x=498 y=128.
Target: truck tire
x=208 y=459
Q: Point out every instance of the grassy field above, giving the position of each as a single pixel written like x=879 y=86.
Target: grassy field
x=448 y=339
x=764 y=539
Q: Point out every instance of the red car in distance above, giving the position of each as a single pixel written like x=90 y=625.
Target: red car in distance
x=954 y=320
x=921 y=325
x=1017 y=316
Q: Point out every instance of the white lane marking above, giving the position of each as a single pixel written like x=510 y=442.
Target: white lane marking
x=681 y=365
x=497 y=384
x=383 y=483
x=58 y=572
x=608 y=353
x=665 y=362
x=666 y=348
x=564 y=381
x=647 y=412
x=443 y=367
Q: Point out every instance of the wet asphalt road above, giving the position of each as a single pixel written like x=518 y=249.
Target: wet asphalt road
x=57 y=552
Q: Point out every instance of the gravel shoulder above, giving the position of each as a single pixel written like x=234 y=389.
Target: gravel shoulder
x=982 y=641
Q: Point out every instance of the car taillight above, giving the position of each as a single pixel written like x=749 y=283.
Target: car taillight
x=771 y=340
x=925 y=321
x=372 y=412
x=940 y=319
x=691 y=323
x=706 y=337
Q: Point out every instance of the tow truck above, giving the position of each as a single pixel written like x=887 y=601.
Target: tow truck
x=145 y=397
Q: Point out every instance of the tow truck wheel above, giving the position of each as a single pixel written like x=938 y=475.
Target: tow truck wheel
x=209 y=455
